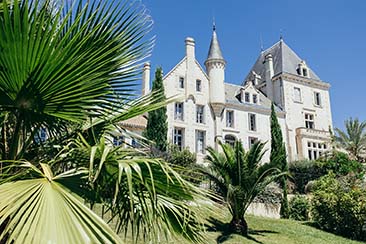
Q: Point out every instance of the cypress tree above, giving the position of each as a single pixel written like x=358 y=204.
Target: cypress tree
x=278 y=157
x=157 y=125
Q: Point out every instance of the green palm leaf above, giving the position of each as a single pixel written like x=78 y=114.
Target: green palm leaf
x=68 y=64
x=42 y=210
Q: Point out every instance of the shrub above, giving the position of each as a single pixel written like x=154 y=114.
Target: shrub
x=299 y=208
x=272 y=194
x=341 y=164
x=302 y=172
x=339 y=206
x=185 y=163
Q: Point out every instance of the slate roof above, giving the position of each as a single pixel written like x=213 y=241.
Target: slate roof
x=214 y=52
x=285 y=60
x=232 y=90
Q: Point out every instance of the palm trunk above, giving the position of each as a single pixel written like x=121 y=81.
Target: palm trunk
x=239 y=225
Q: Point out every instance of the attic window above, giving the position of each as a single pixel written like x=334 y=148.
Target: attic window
x=305 y=72
x=247 y=97
x=302 y=69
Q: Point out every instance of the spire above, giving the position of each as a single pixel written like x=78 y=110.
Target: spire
x=215 y=50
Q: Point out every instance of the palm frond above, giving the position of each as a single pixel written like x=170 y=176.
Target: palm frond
x=42 y=210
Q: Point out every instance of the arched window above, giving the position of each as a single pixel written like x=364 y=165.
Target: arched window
x=230 y=139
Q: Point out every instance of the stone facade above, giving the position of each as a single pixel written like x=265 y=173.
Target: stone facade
x=208 y=109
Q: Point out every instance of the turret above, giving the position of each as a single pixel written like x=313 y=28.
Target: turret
x=215 y=68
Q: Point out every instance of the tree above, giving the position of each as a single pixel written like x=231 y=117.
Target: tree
x=157 y=125
x=278 y=158
x=353 y=140
x=71 y=72
x=240 y=177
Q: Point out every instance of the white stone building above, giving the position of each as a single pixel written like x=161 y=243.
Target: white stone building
x=211 y=109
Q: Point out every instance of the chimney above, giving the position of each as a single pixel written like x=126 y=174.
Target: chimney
x=269 y=74
x=190 y=52
x=269 y=67
x=146 y=79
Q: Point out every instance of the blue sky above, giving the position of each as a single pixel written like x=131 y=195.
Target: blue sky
x=329 y=35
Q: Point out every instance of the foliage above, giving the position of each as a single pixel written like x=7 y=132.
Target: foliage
x=304 y=171
x=339 y=163
x=278 y=158
x=183 y=158
x=339 y=206
x=240 y=177
x=353 y=140
x=72 y=71
x=272 y=194
x=157 y=125
x=185 y=162
x=46 y=208
x=299 y=208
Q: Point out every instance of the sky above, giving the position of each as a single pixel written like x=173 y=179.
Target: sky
x=330 y=35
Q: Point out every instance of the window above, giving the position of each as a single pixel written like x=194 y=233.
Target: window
x=297 y=94
x=316 y=149
x=118 y=140
x=305 y=72
x=198 y=85
x=247 y=97
x=309 y=121
x=317 y=99
x=200 y=141
x=229 y=139
x=200 y=114
x=134 y=143
x=41 y=136
x=181 y=82
x=178 y=137
x=255 y=98
x=178 y=112
x=230 y=118
x=252 y=141
x=252 y=122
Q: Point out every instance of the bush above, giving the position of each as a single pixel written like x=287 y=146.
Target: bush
x=339 y=206
x=272 y=194
x=301 y=172
x=299 y=208
x=341 y=164
x=185 y=163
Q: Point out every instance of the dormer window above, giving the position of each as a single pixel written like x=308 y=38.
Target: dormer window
x=302 y=69
x=255 y=98
x=247 y=97
x=305 y=72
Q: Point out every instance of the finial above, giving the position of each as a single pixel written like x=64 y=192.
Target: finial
x=213 y=24
x=281 y=35
x=261 y=41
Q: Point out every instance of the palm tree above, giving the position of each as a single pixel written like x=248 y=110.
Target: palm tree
x=353 y=139
x=240 y=177
x=72 y=72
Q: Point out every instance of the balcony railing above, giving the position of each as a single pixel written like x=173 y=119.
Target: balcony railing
x=311 y=133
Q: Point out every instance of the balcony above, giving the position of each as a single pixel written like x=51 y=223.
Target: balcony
x=303 y=132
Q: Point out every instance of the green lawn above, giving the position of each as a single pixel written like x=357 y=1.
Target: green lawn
x=265 y=230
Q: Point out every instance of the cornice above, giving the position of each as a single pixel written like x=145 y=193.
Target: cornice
x=302 y=80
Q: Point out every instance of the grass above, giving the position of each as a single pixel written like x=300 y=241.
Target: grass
x=263 y=230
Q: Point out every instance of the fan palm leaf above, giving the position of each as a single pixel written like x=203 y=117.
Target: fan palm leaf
x=78 y=61
x=42 y=210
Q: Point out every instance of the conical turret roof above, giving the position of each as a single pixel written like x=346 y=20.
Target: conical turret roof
x=214 y=52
